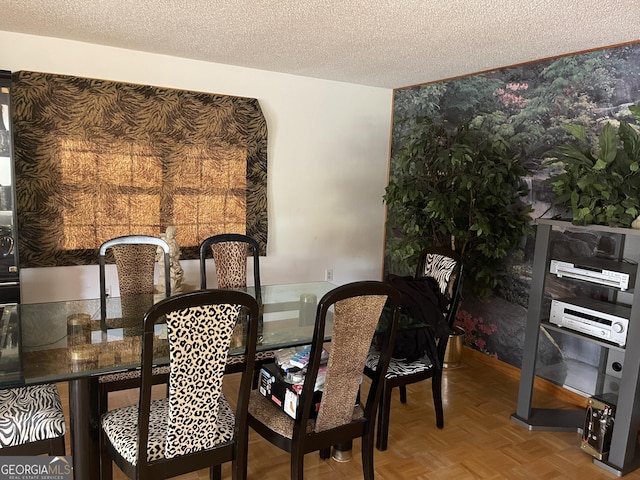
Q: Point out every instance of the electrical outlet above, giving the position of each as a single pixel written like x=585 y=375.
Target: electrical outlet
x=328 y=274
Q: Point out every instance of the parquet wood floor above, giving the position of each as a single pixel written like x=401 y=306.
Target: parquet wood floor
x=479 y=441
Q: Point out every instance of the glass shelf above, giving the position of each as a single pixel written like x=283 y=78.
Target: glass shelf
x=574 y=333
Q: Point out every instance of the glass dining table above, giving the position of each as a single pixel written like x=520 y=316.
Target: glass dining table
x=72 y=341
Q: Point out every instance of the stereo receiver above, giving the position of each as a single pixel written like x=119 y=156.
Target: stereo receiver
x=598 y=270
x=606 y=321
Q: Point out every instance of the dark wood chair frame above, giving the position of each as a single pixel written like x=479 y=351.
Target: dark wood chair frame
x=130 y=240
x=213 y=459
x=50 y=446
x=104 y=388
x=205 y=252
x=302 y=442
x=435 y=372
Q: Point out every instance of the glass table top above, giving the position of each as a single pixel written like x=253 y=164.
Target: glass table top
x=55 y=341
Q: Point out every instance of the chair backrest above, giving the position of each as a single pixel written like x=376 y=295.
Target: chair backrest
x=356 y=311
x=446 y=267
x=135 y=258
x=199 y=326
x=230 y=251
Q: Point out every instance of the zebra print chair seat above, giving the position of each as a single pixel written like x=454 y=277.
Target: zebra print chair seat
x=446 y=267
x=31 y=421
x=399 y=367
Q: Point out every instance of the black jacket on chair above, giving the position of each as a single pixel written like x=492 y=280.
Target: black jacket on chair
x=423 y=305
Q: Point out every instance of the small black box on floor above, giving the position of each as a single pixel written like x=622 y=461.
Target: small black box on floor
x=285 y=395
x=598 y=425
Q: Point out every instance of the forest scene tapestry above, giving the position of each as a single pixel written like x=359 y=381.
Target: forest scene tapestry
x=529 y=107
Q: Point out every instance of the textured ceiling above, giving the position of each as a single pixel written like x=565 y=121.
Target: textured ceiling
x=382 y=43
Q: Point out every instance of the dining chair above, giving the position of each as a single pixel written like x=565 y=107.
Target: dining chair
x=31 y=421
x=229 y=252
x=446 y=267
x=195 y=427
x=354 y=311
x=135 y=258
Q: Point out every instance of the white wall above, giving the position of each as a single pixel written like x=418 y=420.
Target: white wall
x=328 y=156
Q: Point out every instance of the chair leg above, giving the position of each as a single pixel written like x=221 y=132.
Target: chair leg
x=215 y=473
x=403 y=393
x=106 y=465
x=103 y=400
x=384 y=412
x=297 y=464
x=256 y=376
x=436 y=388
x=57 y=447
x=239 y=465
x=106 y=472
x=367 y=453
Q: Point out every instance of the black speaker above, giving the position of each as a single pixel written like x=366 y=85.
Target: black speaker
x=615 y=362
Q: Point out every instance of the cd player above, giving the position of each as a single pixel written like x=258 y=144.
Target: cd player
x=607 y=321
x=602 y=271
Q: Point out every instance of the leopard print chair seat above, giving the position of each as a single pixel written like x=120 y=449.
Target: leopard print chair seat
x=236 y=361
x=110 y=378
x=194 y=427
x=31 y=421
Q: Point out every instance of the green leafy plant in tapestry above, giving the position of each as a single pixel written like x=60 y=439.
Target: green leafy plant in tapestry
x=600 y=183
x=460 y=188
